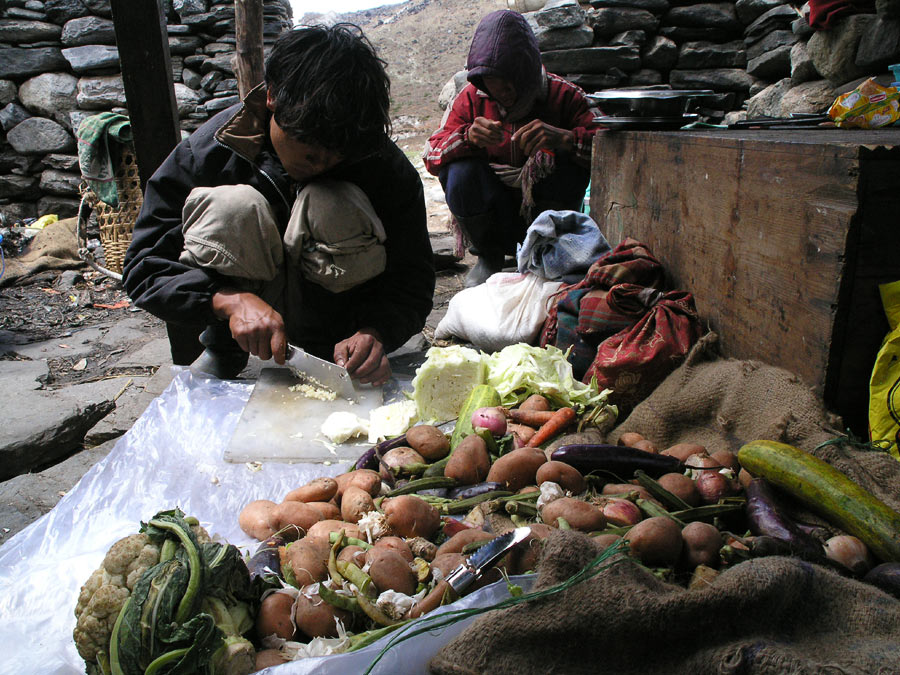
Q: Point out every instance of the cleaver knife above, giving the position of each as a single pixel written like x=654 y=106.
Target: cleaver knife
x=322 y=372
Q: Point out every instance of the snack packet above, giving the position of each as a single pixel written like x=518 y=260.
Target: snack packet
x=869 y=106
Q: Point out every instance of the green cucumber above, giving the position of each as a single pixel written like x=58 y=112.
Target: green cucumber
x=828 y=492
x=481 y=396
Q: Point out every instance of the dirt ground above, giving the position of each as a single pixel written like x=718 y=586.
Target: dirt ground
x=46 y=308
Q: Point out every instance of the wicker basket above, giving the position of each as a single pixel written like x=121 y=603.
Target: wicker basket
x=115 y=223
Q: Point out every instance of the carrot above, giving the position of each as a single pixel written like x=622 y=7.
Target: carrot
x=552 y=427
x=531 y=418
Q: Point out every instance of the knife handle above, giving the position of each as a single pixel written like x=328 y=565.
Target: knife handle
x=433 y=600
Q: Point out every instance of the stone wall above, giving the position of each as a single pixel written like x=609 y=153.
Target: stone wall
x=59 y=64
x=760 y=56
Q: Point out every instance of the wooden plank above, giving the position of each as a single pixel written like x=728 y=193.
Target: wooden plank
x=248 y=18
x=783 y=237
x=143 y=46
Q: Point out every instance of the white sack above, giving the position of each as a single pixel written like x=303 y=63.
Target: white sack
x=507 y=309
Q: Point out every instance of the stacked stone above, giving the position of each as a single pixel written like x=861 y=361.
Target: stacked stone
x=760 y=56
x=59 y=64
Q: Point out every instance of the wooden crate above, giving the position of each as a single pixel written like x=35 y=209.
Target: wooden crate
x=782 y=236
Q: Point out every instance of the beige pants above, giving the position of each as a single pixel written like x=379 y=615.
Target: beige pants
x=333 y=238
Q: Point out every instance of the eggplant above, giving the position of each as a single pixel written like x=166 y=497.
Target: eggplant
x=618 y=460
x=765 y=517
x=371 y=458
x=466 y=491
x=885 y=576
x=266 y=561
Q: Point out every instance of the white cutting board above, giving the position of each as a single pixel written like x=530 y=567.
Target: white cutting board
x=280 y=425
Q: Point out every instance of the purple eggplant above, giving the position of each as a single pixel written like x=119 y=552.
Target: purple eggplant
x=766 y=517
x=466 y=491
x=885 y=576
x=371 y=458
x=618 y=460
x=266 y=561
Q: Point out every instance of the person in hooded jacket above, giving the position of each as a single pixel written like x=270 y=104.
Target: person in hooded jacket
x=515 y=142
x=291 y=215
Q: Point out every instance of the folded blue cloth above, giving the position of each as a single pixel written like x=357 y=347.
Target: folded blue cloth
x=561 y=244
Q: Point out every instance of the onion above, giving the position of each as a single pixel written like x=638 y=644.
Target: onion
x=712 y=486
x=850 y=552
x=621 y=512
x=491 y=419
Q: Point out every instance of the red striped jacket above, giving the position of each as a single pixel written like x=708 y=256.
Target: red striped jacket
x=565 y=106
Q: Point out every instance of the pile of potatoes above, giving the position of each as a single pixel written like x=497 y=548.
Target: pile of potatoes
x=416 y=545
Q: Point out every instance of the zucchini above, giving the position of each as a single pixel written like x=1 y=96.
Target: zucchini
x=828 y=492
x=481 y=396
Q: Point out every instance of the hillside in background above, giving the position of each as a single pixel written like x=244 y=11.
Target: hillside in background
x=424 y=43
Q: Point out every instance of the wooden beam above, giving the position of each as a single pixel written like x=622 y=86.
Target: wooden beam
x=248 y=29
x=143 y=45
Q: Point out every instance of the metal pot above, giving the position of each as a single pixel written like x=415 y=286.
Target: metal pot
x=649 y=102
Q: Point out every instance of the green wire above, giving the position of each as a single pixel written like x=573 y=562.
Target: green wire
x=427 y=623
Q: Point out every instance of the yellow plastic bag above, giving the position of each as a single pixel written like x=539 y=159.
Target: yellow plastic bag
x=869 y=106
x=884 y=387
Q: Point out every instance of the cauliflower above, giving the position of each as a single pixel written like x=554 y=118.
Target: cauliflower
x=104 y=593
x=106 y=590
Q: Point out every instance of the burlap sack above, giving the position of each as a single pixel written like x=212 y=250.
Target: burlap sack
x=768 y=615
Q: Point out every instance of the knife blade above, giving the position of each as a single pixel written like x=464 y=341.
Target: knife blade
x=320 y=372
x=485 y=557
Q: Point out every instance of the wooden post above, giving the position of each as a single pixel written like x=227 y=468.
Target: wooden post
x=143 y=45
x=248 y=29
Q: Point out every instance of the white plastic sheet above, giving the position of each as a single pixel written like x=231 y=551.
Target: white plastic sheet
x=171 y=457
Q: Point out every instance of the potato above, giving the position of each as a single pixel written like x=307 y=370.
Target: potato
x=398 y=459
x=460 y=540
x=565 y=475
x=353 y=554
x=713 y=486
x=580 y=515
x=522 y=433
x=469 y=464
x=355 y=503
x=275 y=616
x=324 y=528
x=535 y=402
x=727 y=459
x=318 y=490
x=327 y=510
x=604 y=541
x=524 y=557
x=368 y=480
x=702 y=542
x=518 y=468
x=267 y=658
x=681 y=486
x=254 y=519
x=293 y=519
x=646 y=446
x=528 y=488
x=315 y=617
x=428 y=441
x=656 y=541
x=682 y=451
x=629 y=438
x=410 y=516
x=446 y=563
x=396 y=544
x=389 y=570
x=308 y=559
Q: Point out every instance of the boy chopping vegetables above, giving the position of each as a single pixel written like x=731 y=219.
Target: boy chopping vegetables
x=515 y=142
x=289 y=216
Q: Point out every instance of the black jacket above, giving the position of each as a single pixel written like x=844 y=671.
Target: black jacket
x=233 y=148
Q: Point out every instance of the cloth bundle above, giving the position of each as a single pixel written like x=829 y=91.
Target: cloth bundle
x=100 y=140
